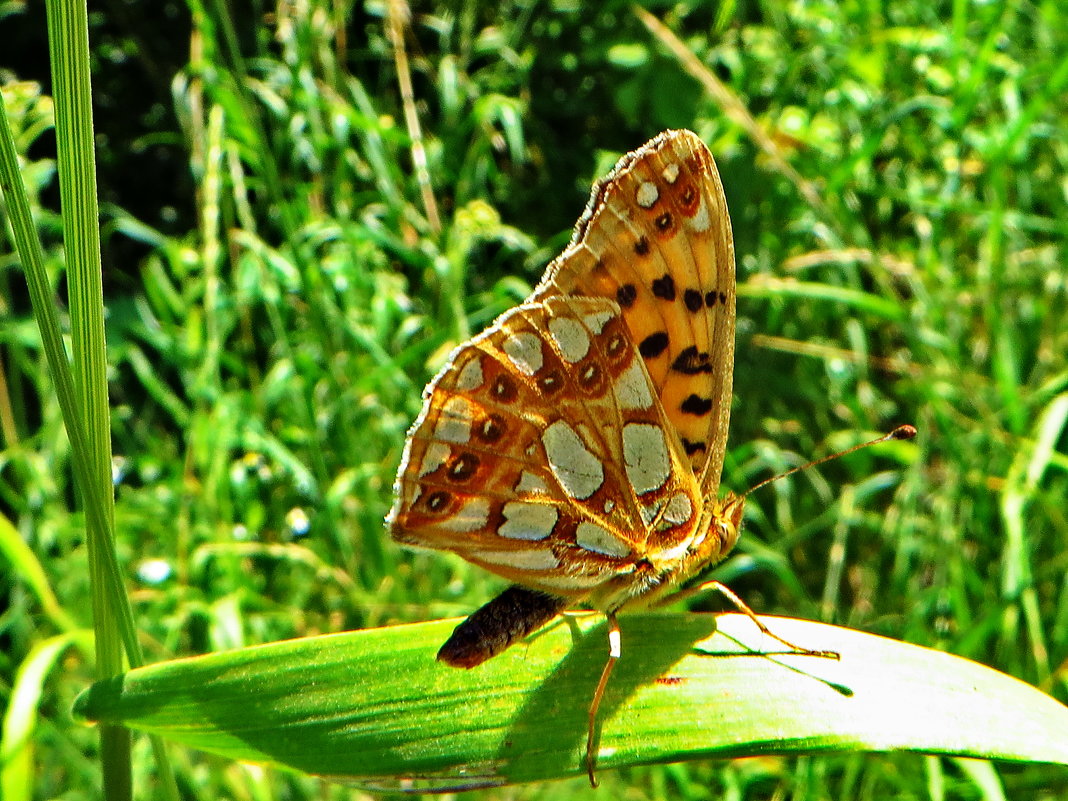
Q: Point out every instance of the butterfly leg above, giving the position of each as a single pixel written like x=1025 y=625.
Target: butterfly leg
x=614 y=651
x=742 y=607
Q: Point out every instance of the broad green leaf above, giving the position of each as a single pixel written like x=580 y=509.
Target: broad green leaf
x=375 y=705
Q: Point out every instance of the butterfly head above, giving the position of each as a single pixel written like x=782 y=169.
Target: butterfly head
x=724 y=524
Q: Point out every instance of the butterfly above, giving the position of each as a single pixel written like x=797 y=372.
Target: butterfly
x=575 y=446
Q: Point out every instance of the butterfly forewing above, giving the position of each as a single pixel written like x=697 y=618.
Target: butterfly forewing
x=656 y=238
x=544 y=455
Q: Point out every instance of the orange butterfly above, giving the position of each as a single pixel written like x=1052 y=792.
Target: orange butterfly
x=575 y=446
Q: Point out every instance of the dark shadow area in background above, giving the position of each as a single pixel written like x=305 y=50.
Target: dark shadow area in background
x=136 y=48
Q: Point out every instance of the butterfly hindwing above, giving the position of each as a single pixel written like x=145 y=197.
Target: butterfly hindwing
x=543 y=453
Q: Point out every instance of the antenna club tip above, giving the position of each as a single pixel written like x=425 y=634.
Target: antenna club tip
x=903 y=432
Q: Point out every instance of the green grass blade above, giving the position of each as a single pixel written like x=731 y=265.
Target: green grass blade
x=375 y=705
x=764 y=287
x=76 y=163
x=24 y=711
x=21 y=561
x=1021 y=483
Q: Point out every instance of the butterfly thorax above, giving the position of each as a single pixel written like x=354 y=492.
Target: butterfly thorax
x=660 y=570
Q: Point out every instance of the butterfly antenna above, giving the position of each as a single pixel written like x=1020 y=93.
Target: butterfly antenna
x=901 y=432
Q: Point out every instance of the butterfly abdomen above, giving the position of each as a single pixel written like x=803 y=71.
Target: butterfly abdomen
x=509 y=617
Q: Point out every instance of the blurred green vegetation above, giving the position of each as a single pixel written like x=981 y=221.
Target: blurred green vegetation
x=278 y=295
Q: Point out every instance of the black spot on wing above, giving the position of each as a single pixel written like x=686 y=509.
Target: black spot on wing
x=693 y=447
x=653 y=345
x=664 y=287
x=693 y=300
x=696 y=405
x=692 y=362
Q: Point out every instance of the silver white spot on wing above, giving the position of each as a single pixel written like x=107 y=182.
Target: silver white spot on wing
x=531 y=484
x=521 y=558
x=524 y=351
x=671 y=555
x=454 y=425
x=700 y=222
x=597 y=321
x=649 y=513
x=647 y=194
x=679 y=509
x=598 y=539
x=632 y=388
x=472 y=516
x=527 y=521
x=579 y=472
x=670 y=173
x=566 y=582
x=470 y=377
x=437 y=453
x=570 y=338
x=645 y=456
